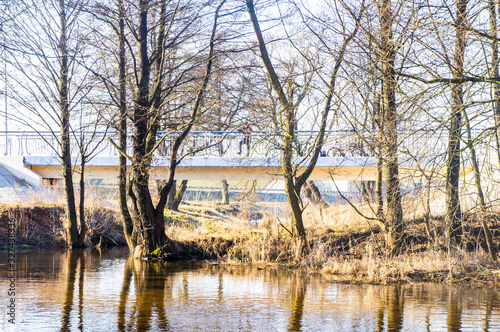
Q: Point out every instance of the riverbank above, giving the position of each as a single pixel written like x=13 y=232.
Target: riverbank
x=343 y=246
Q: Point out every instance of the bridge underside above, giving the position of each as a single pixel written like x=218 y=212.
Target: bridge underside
x=212 y=168
x=215 y=173
x=205 y=168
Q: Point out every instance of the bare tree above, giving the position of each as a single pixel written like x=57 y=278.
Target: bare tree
x=50 y=83
x=394 y=214
x=147 y=111
x=293 y=181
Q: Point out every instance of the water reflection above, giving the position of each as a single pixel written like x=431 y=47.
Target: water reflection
x=150 y=280
x=73 y=259
x=391 y=304
x=297 y=295
x=106 y=291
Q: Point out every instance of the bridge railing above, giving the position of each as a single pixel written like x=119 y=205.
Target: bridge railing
x=414 y=145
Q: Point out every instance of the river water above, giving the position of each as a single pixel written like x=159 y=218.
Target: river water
x=93 y=290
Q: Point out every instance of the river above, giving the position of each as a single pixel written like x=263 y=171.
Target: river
x=102 y=290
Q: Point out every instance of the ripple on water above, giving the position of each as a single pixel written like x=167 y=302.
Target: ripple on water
x=103 y=291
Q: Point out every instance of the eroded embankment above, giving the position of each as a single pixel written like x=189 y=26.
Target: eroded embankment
x=42 y=227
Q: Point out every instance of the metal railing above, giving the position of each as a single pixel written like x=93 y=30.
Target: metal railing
x=413 y=145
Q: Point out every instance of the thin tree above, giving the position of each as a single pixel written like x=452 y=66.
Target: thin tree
x=50 y=82
x=453 y=211
x=394 y=215
x=293 y=181
x=494 y=70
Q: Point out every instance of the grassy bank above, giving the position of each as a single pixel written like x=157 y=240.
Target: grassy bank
x=343 y=246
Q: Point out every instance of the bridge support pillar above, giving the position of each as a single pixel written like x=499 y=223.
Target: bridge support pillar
x=51 y=182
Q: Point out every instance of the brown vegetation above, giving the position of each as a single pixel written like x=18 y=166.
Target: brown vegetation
x=343 y=246
x=43 y=226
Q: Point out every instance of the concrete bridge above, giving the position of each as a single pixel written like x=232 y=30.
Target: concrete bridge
x=32 y=157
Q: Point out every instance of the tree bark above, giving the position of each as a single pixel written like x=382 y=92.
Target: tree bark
x=494 y=71
x=171 y=194
x=453 y=211
x=127 y=222
x=72 y=235
x=394 y=213
x=178 y=195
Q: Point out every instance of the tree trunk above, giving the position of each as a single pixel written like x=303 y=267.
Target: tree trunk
x=83 y=225
x=225 y=192
x=378 y=190
x=453 y=212
x=178 y=196
x=152 y=226
x=368 y=191
x=394 y=214
x=482 y=203
x=494 y=71
x=127 y=222
x=293 y=183
x=72 y=234
x=171 y=195
x=313 y=194
x=379 y=120
x=150 y=218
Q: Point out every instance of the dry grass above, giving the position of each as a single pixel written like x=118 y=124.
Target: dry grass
x=472 y=268
x=343 y=246
x=36 y=229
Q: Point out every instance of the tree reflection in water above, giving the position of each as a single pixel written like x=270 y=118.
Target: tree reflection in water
x=297 y=295
x=454 y=310
x=245 y=298
x=73 y=257
x=148 y=312
x=122 y=304
x=391 y=300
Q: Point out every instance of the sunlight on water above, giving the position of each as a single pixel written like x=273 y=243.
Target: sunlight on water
x=95 y=290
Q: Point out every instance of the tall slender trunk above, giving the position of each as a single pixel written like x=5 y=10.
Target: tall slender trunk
x=127 y=222
x=378 y=190
x=72 y=234
x=494 y=71
x=379 y=198
x=394 y=214
x=480 y=194
x=453 y=211
x=293 y=189
x=83 y=225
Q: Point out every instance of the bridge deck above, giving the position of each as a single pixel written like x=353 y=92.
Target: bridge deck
x=346 y=155
x=212 y=168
